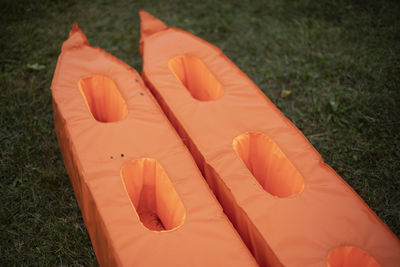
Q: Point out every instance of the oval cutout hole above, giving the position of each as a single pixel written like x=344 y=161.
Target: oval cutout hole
x=268 y=164
x=152 y=194
x=196 y=77
x=103 y=98
x=349 y=256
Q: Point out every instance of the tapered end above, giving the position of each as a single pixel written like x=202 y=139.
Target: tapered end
x=148 y=26
x=76 y=38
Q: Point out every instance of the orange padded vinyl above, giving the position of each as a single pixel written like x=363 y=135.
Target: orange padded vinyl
x=142 y=197
x=290 y=208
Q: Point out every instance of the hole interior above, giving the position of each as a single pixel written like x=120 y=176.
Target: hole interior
x=268 y=164
x=196 y=77
x=153 y=195
x=350 y=256
x=103 y=98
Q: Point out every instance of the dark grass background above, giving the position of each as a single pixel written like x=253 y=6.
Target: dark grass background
x=339 y=59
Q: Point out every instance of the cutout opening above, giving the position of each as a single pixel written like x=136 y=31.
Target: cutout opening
x=268 y=164
x=153 y=195
x=196 y=77
x=349 y=256
x=103 y=98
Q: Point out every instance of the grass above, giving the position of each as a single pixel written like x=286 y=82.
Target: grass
x=339 y=59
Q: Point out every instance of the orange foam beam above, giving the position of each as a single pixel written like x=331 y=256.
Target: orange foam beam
x=142 y=197
x=290 y=208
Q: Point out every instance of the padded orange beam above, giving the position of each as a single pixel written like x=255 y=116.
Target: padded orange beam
x=142 y=197
x=290 y=208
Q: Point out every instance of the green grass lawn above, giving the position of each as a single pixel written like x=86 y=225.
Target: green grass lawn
x=339 y=59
